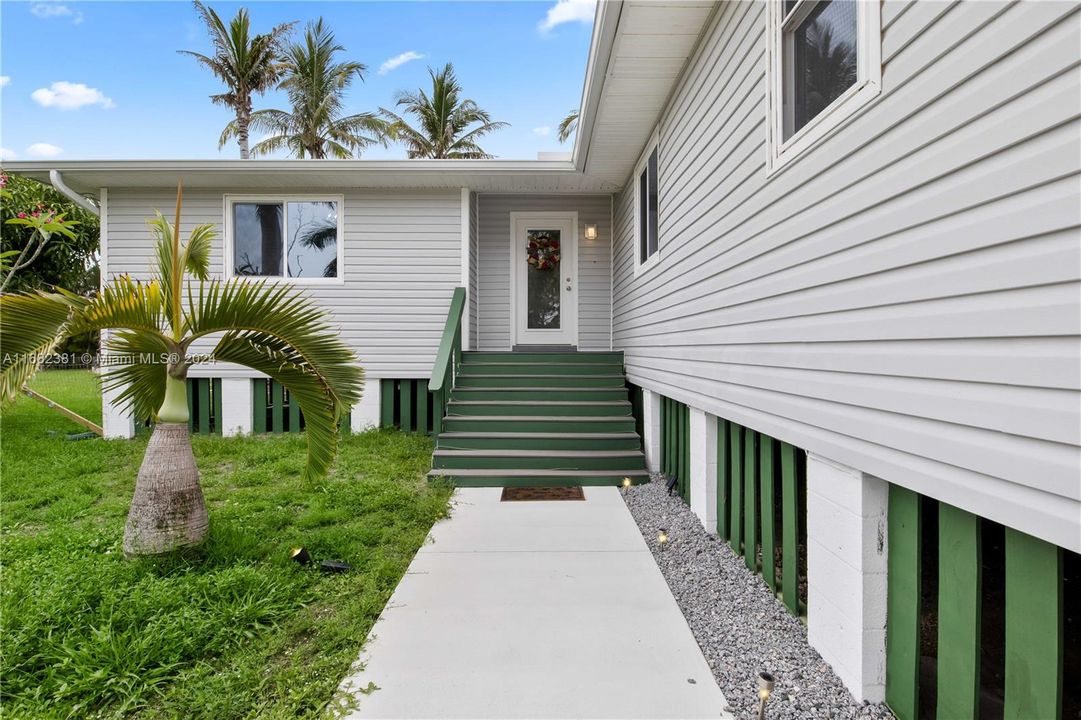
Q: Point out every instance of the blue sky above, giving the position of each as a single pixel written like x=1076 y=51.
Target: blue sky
x=103 y=80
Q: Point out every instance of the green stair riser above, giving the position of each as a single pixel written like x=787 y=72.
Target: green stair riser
x=560 y=381
x=540 y=462
x=609 y=358
x=472 y=368
x=525 y=396
x=567 y=442
x=463 y=423
x=539 y=481
x=488 y=408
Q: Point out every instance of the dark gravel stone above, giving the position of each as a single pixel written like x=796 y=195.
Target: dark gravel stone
x=740 y=626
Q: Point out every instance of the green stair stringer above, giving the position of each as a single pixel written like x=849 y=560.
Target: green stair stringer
x=539 y=419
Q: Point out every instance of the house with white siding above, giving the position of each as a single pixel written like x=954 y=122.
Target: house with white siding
x=818 y=261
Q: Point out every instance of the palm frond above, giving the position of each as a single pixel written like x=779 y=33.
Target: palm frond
x=31 y=326
x=138 y=371
x=320 y=397
x=123 y=303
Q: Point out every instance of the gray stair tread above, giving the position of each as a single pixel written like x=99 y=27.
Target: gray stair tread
x=509 y=376
x=538 y=388
x=489 y=472
x=545 y=418
x=539 y=436
x=545 y=403
x=474 y=452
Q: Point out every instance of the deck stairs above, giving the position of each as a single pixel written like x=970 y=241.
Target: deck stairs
x=539 y=419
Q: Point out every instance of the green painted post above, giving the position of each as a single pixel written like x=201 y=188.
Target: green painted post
x=407 y=405
x=294 y=414
x=722 y=479
x=750 y=526
x=277 y=414
x=217 y=406
x=258 y=421
x=959 y=595
x=190 y=391
x=735 y=444
x=1034 y=628
x=789 y=530
x=765 y=474
x=204 y=405
x=422 y=406
x=386 y=403
x=437 y=412
x=903 y=603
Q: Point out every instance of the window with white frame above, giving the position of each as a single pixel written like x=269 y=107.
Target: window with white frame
x=825 y=64
x=645 y=222
x=294 y=238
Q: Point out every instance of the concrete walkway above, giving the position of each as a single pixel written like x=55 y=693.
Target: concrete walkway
x=534 y=610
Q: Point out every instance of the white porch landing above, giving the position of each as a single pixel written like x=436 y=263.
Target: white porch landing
x=534 y=609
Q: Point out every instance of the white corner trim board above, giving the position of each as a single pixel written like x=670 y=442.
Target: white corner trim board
x=651 y=429
x=365 y=414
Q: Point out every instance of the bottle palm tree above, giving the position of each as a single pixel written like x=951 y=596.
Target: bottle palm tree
x=567 y=126
x=270 y=328
x=316 y=85
x=443 y=121
x=245 y=63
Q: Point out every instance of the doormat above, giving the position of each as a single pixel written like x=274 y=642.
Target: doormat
x=513 y=494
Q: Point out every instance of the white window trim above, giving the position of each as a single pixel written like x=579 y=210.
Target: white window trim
x=641 y=267
x=227 y=259
x=867 y=87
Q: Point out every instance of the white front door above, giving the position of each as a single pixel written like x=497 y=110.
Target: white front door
x=544 y=278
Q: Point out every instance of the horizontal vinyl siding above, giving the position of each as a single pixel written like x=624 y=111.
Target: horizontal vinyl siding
x=594 y=265
x=904 y=297
x=473 y=270
x=402 y=263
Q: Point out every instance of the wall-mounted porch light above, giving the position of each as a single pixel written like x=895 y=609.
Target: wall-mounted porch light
x=591 y=232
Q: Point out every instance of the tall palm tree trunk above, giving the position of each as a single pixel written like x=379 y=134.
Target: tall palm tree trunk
x=243 y=120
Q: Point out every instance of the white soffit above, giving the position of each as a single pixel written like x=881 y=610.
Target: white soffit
x=653 y=42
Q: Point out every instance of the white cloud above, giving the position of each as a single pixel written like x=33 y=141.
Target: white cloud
x=43 y=150
x=565 y=11
x=4 y=80
x=69 y=96
x=48 y=10
x=542 y=130
x=399 y=60
x=6 y=154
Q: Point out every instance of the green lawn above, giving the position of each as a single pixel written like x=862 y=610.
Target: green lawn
x=240 y=632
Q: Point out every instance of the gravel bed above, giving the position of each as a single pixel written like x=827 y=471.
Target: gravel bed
x=741 y=628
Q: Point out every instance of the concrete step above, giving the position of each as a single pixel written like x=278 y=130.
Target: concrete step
x=538 y=441
x=539 y=459
x=539 y=407
x=537 y=478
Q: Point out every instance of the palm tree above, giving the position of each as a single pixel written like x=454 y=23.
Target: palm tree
x=568 y=126
x=270 y=328
x=246 y=64
x=316 y=87
x=443 y=121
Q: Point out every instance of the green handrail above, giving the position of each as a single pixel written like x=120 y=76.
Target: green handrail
x=450 y=345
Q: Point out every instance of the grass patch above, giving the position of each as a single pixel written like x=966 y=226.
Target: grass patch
x=239 y=631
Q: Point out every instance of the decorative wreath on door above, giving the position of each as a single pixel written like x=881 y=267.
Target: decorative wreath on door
x=542 y=251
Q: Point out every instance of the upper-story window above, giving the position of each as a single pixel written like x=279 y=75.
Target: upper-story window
x=645 y=205
x=294 y=238
x=825 y=64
